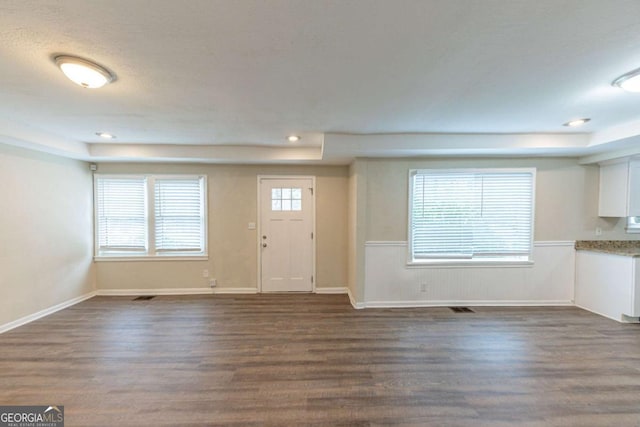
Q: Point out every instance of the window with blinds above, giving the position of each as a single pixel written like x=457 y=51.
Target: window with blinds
x=150 y=215
x=121 y=214
x=471 y=214
x=179 y=215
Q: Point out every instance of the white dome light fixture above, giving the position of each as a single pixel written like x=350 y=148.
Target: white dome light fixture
x=577 y=122
x=106 y=135
x=83 y=72
x=293 y=138
x=629 y=82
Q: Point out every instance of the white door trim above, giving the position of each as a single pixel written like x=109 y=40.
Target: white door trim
x=259 y=221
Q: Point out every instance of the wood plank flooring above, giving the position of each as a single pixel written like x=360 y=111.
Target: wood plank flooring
x=297 y=360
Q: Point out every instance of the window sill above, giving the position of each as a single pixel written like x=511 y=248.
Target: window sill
x=127 y=258
x=439 y=263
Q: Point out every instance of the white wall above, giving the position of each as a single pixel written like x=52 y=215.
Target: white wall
x=232 y=204
x=45 y=232
x=357 y=226
x=566 y=197
x=566 y=210
x=390 y=283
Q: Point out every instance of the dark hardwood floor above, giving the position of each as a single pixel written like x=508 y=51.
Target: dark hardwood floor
x=294 y=360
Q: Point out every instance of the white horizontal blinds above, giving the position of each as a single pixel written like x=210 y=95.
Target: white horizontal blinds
x=179 y=214
x=444 y=205
x=121 y=214
x=466 y=215
x=503 y=227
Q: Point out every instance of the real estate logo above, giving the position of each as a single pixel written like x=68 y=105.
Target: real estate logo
x=31 y=416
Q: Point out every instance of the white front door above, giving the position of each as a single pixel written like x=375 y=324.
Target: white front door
x=286 y=234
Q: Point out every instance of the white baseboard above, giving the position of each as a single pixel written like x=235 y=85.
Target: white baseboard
x=622 y=319
x=497 y=303
x=47 y=311
x=162 y=291
x=332 y=290
x=235 y=290
x=352 y=300
x=175 y=291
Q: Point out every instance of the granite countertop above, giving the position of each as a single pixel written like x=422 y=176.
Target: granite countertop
x=616 y=247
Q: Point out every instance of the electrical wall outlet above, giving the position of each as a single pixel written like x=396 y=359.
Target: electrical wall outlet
x=205 y=273
x=598 y=231
x=213 y=283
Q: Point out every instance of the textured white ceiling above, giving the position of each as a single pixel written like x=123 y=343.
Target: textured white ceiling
x=251 y=72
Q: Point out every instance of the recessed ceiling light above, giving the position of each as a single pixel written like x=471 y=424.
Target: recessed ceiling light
x=105 y=135
x=629 y=82
x=293 y=138
x=576 y=122
x=83 y=72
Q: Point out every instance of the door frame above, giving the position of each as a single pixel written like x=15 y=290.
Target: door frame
x=313 y=226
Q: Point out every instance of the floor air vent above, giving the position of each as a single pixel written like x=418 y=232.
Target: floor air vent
x=144 y=298
x=461 y=310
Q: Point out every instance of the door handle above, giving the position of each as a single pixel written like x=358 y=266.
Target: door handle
x=264 y=245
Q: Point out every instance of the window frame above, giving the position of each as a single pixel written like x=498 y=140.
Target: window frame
x=632 y=227
x=151 y=254
x=503 y=261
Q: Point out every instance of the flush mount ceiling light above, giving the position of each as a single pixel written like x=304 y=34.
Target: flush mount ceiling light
x=293 y=138
x=83 y=72
x=629 y=82
x=576 y=122
x=105 y=135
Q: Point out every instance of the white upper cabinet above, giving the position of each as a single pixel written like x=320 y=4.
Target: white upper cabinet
x=619 y=189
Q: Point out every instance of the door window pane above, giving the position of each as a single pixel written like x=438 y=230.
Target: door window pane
x=286 y=199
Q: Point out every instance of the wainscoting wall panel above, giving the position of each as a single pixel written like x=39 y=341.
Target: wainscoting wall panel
x=390 y=282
